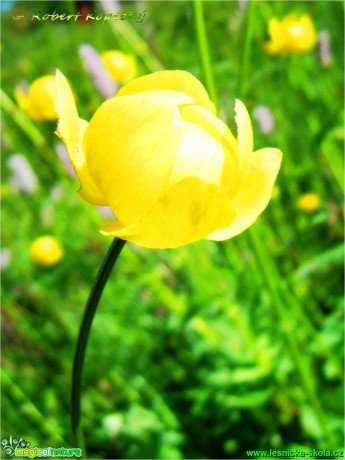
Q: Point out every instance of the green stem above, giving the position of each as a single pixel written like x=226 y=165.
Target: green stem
x=244 y=62
x=23 y=121
x=132 y=41
x=17 y=115
x=90 y=310
x=204 y=50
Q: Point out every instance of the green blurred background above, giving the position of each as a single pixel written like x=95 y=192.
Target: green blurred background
x=211 y=349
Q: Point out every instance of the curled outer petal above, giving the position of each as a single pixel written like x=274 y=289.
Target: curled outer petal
x=130 y=147
x=71 y=130
x=253 y=194
x=207 y=150
x=172 y=80
x=244 y=144
x=186 y=213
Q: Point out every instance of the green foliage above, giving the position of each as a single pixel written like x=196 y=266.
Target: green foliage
x=189 y=356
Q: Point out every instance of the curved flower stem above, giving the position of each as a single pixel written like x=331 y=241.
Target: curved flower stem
x=31 y=131
x=90 y=310
x=204 y=50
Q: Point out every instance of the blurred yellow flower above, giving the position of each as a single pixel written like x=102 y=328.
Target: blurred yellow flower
x=46 y=251
x=121 y=67
x=170 y=170
x=38 y=102
x=293 y=34
x=309 y=202
x=4 y=190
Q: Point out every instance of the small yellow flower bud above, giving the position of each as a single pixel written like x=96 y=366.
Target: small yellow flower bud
x=121 y=67
x=291 y=35
x=46 y=251
x=38 y=103
x=309 y=202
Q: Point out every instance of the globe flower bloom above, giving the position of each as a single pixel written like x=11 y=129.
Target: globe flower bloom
x=38 y=102
x=46 y=251
x=169 y=169
x=121 y=67
x=291 y=35
x=309 y=202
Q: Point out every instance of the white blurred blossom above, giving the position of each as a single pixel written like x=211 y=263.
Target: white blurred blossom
x=265 y=119
x=5 y=258
x=111 y=6
x=106 y=212
x=23 y=177
x=101 y=80
x=242 y=4
x=62 y=153
x=325 y=48
x=113 y=423
x=56 y=193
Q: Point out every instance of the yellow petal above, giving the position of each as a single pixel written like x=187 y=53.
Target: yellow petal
x=208 y=149
x=71 y=130
x=131 y=146
x=21 y=98
x=174 y=80
x=274 y=28
x=273 y=47
x=245 y=135
x=41 y=99
x=254 y=193
x=121 y=67
x=210 y=124
x=244 y=148
x=302 y=35
x=186 y=213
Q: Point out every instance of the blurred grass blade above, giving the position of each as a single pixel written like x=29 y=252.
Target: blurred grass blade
x=24 y=122
x=204 y=50
x=29 y=128
x=332 y=148
x=325 y=261
x=132 y=41
x=27 y=408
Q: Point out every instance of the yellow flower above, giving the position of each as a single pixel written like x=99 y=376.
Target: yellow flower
x=309 y=202
x=293 y=34
x=4 y=190
x=121 y=67
x=170 y=170
x=46 y=251
x=38 y=102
